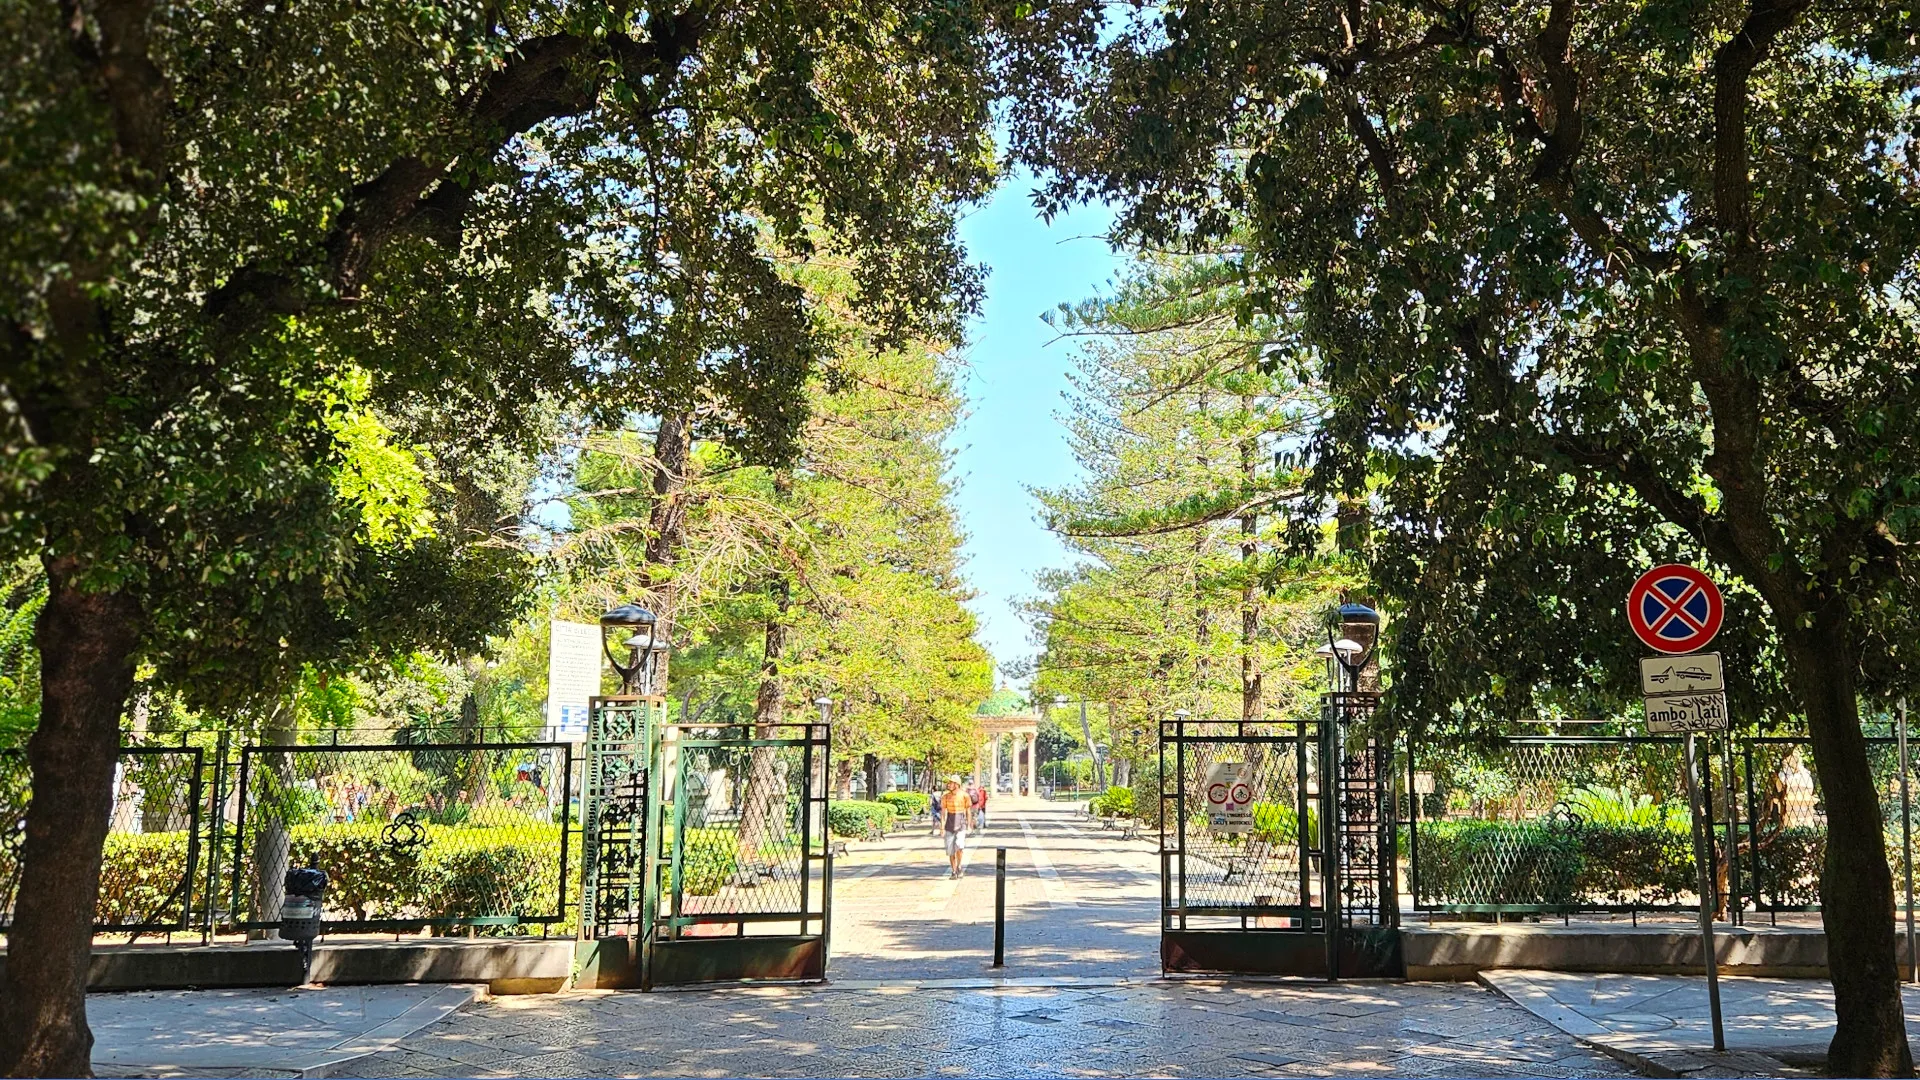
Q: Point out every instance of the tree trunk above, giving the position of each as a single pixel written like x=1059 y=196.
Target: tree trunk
x=843 y=779
x=272 y=843
x=1856 y=884
x=667 y=528
x=870 y=766
x=1250 y=677
x=760 y=824
x=86 y=642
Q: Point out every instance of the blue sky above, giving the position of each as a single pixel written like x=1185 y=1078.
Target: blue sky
x=1017 y=375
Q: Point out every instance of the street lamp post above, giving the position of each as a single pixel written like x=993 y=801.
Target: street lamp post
x=636 y=675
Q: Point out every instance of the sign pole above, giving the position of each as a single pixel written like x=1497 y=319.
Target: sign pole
x=1702 y=857
x=1906 y=841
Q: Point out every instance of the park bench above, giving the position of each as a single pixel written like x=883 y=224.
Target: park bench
x=837 y=848
x=1256 y=853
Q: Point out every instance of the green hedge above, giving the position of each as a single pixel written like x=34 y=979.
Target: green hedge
x=1114 y=802
x=1279 y=823
x=851 y=817
x=1538 y=863
x=138 y=871
x=906 y=803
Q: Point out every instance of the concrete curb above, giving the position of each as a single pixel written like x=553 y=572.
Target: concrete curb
x=1661 y=1063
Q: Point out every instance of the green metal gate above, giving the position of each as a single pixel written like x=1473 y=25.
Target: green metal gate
x=741 y=862
x=1264 y=897
x=705 y=856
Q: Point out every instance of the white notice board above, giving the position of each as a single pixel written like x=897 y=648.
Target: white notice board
x=573 y=676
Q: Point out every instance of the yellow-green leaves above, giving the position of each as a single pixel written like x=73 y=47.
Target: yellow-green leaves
x=385 y=483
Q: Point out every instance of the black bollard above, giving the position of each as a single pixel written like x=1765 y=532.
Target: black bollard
x=999 y=907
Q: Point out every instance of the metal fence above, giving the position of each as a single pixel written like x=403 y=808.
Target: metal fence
x=410 y=836
x=413 y=834
x=1570 y=825
x=150 y=874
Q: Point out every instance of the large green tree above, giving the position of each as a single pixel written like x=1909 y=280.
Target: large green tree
x=219 y=218
x=1578 y=275
x=1187 y=420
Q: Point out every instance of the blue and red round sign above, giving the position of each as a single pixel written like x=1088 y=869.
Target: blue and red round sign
x=1675 y=608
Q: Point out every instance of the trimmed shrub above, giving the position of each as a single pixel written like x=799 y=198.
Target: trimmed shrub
x=1278 y=823
x=906 y=803
x=711 y=859
x=1113 y=802
x=138 y=871
x=853 y=816
x=1553 y=864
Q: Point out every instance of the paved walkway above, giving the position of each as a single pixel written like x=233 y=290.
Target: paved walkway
x=1662 y=1023
x=1157 y=1029
x=305 y=1032
x=1081 y=902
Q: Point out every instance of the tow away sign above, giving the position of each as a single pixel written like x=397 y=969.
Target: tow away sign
x=1699 y=673
x=1679 y=714
x=1229 y=798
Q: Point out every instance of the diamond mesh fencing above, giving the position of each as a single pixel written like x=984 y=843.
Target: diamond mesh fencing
x=746 y=830
x=149 y=872
x=1783 y=832
x=1554 y=825
x=1264 y=872
x=410 y=837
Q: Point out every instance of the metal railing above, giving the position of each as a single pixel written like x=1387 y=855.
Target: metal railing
x=1600 y=824
x=414 y=834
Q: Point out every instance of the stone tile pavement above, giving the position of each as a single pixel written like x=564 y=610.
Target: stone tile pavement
x=1208 y=1028
x=1662 y=1023
x=1081 y=902
x=295 y=1032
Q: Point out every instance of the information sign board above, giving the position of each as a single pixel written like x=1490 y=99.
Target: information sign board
x=1229 y=797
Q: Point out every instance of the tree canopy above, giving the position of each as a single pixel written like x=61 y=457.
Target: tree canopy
x=1593 y=285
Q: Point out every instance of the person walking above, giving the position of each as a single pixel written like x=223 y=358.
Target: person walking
x=980 y=806
x=954 y=806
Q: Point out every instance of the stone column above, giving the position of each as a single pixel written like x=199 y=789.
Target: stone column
x=993 y=765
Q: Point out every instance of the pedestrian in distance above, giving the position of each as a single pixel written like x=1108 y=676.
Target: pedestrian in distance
x=954 y=806
x=933 y=809
x=980 y=807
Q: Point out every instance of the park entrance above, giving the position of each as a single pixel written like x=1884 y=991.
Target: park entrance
x=706 y=852
x=1277 y=846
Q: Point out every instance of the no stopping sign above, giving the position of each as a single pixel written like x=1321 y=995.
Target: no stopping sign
x=1675 y=609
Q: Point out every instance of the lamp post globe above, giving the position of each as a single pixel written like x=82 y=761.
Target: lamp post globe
x=639 y=625
x=1352 y=656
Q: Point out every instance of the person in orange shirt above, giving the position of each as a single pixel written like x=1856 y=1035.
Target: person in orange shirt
x=955 y=808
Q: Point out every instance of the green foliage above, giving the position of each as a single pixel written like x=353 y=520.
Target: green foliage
x=1472 y=863
x=853 y=817
x=23 y=592
x=906 y=803
x=1190 y=591
x=846 y=561
x=138 y=872
x=1616 y=808
x=1115 y=802
x=1279 y=823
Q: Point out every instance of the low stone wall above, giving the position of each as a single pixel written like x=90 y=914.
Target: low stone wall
x=529 y=966
x=1462 y=951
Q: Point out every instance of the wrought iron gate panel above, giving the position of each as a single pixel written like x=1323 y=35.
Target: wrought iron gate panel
x=1268 y=873
x=740 y=862
x=618 y=807
x=1304 y=891
x=1364 y=799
